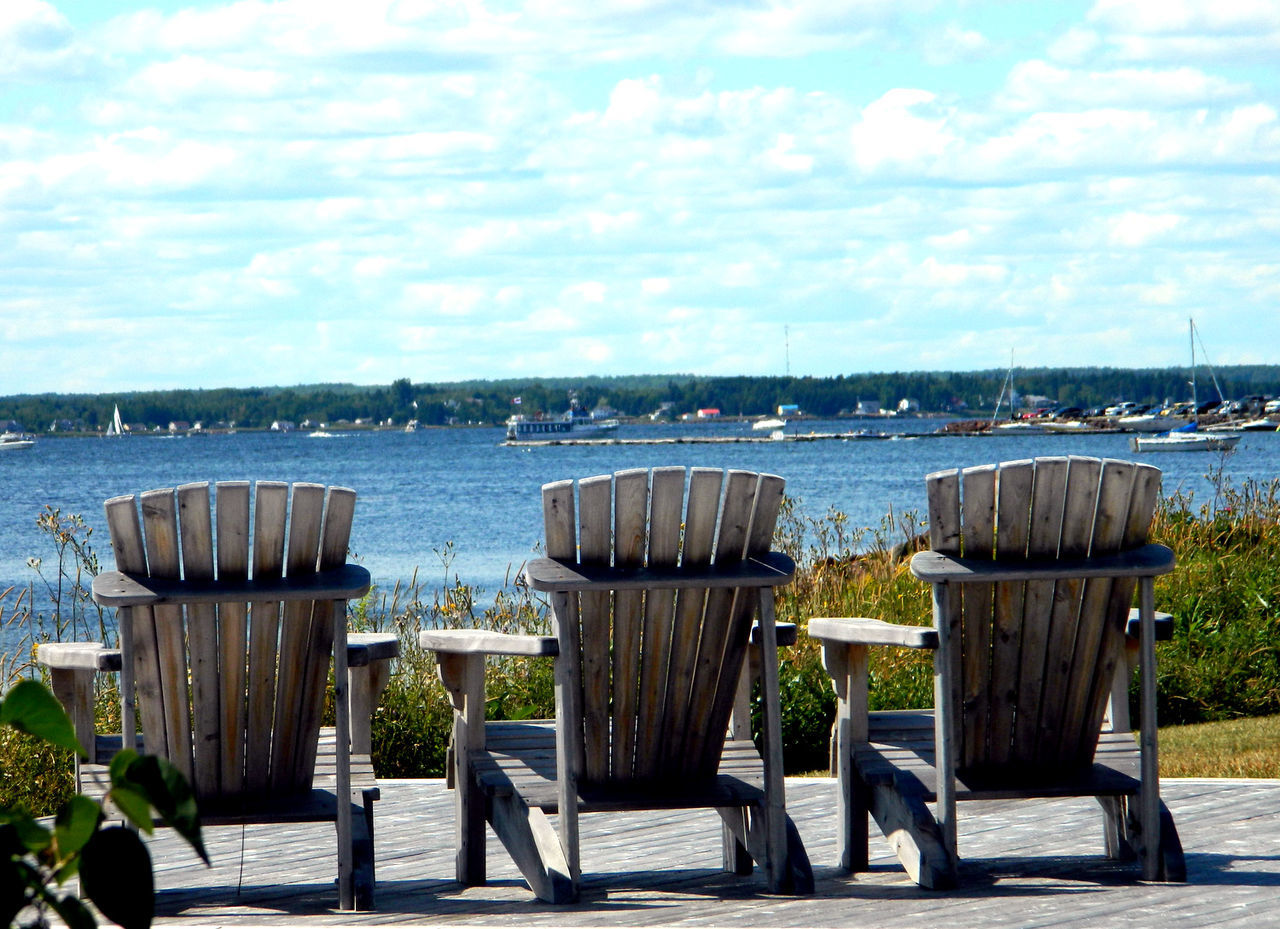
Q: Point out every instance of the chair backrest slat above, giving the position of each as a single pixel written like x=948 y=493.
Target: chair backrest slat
x=307 y=512
x=270 y=512
x=335 y=530
x=1035 y=659
x=978 y=510
x=202 y=639
x=630 y=533
x=160 y=530
x=232 y=694
x=131 y=555
x=659 y=669
x=232 y=504
x=762 y=495
x=701 y=511
x=595 y=527
x=666 y=513
x=1015 y=494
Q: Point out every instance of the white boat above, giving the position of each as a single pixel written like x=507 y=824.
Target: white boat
x=1185 y=439
x=1257 y=425
x=769 y=425
x=13 y=441
x=1188 y=438
x=116 y=429
x=575 y=422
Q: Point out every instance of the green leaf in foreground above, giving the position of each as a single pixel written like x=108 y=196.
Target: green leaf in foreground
x=29 y=707
x=165 y=788
x=115 y=873
x=75 y=825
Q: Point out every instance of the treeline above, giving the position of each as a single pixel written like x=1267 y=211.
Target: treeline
x=959 y=393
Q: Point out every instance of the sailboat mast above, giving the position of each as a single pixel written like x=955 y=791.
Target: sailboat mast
x=1195 y=403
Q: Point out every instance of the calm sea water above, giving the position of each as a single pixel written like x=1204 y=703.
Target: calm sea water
x=422 y=492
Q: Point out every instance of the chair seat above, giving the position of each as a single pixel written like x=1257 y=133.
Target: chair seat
x=316 y=805
x=900 y=752
x=520 y=760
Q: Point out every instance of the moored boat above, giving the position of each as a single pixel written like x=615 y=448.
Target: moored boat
x=13 y=441
x=1185 y=439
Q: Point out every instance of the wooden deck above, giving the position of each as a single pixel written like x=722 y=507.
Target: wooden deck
x=284 y=875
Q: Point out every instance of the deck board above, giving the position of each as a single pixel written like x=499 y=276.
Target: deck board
x=662 y=869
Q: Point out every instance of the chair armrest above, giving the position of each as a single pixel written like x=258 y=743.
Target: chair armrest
x=364 y=647
x=116 y=588
x=73 y=666
x=78 y=656
x=484 y=642
x=859 y=631
x=369 y=657
x=1164 y=626
x=1145 y=561
x=553 y=575
x=787 y=633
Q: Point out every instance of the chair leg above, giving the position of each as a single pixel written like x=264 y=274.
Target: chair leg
x=906 y=821
x=362 y=853
x=1172 y=863
x=1115 y=814
x=533 y=845
x=734 y=855
x=855 y=854
x=747 y=827
x=799 y=871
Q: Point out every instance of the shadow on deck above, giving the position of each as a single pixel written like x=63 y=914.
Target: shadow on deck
x=1026 y=864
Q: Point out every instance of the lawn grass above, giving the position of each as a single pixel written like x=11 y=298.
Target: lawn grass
x=1232 y=748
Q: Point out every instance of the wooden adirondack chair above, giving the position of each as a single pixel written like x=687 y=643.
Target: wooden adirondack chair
x=653 y=594
x=1033 y=566
x=228 y=648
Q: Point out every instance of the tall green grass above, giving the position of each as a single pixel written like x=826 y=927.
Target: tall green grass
x=1224 y=659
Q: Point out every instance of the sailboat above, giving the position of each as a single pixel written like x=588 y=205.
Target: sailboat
x=116 y=429
x=1187 y=438
x=1013 y=426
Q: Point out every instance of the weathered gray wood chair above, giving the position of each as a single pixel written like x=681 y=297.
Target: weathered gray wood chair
x=653 y=594
x=1033 y=566
x=229 y=647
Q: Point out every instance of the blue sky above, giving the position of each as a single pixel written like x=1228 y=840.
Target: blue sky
x=255 y=193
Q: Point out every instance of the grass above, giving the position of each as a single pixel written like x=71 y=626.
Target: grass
x=1233 y=748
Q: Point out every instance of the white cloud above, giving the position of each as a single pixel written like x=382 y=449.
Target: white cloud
x=611 y=177
x=1133 y=230
x=1037 y=85
x=956 y=44
x=902 y=132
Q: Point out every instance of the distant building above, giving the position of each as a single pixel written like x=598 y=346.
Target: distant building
x=709 y=413
x=178 y=425
x=788 y=409
x=868 y=408
x=283 y=425
x=908 y=405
